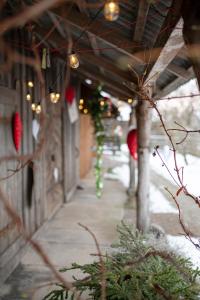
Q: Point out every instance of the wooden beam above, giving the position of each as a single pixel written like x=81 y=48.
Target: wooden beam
x=167 y=54
x=191 y=33
x=178 y=71
x=141 y=20
x=107 y=66
x=119 y=88
x=113 y=38
x=95 y=60
x=174 y=85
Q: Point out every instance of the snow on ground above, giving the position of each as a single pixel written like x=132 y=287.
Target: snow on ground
x=158 y=202
x=183 y=246
x=191 y=171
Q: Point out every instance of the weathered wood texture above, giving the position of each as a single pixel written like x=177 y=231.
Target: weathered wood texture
x=191 y=33
x=143 y=114
x=86 y=143
x=71 y=148
x=39 y=188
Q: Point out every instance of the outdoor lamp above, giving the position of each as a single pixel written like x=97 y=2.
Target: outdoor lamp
x=111 y=10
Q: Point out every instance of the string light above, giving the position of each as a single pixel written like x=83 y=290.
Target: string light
x=33 y=106
x=38 y=109
x=54 y=97
x=102 y=103
x=111 y=10
x=81 y=101
x=30 y=84
x=130 y=100
x=80 y=107
x=73 y=61
x=85 y=111
x=28 y=96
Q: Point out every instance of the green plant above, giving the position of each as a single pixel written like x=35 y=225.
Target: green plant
x=135 y=270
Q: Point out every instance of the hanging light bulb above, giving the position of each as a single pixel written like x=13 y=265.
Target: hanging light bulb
x=38 y=109
x=57 y=96
x=85 y=111
x=80 y=107
x=28 y=96
x=54 y=97
x=81 y=101
x=33 y=106
x=73 y=61
x=111 y=10
x=130 y=100
x=30 y=84
x=102 y=103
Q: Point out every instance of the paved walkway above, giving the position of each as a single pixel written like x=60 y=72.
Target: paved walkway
x=66 y=242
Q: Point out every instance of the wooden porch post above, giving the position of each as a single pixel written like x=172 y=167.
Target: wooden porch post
x=191 y=33
x=143 y=115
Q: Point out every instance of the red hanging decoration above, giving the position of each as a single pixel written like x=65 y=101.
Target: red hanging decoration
x=17 y=130
x=132 y=143
x=70 y=94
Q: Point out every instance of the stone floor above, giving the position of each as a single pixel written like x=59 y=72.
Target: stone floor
x=65 y=241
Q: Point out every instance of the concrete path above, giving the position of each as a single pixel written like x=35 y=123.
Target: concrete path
x=66 y=242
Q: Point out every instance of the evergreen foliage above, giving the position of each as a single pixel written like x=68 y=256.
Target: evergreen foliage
x=135 y=270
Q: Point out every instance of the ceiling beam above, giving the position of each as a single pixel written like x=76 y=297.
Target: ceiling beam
x=175 y=84
x=118 y=88
x=95 y=47
x=191 y=33
x=167 y=54
x=104 y=63
x=177 y=70
x=141 y=20
x=107 y=66
x=112 y=37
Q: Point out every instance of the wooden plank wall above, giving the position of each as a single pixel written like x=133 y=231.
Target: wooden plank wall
x=59 y=156
x=86 y=144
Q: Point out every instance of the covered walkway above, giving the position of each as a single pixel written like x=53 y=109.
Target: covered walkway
x=65 y=241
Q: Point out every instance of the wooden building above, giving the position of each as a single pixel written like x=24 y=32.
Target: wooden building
x=144 y=47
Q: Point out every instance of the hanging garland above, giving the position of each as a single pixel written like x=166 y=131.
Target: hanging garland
x=98 y=107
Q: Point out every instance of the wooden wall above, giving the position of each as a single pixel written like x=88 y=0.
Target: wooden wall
x=39 y=189
x=86 y=144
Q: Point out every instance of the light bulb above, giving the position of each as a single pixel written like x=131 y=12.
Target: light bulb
x=28 y=97
x=102 y=103
x=81 y=101
x=57 y=96
x=80 y=107
x=33 y=106
x=38 y=109
x=85 y=111
x=73 y=61
x=130 y=100
x=30 y=84
x=111 y=10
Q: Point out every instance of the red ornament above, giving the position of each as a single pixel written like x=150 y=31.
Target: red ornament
x=132 y=143
x=17 y=130
x=70 y=94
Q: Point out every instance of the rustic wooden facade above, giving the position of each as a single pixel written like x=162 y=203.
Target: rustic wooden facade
x=51 y=177
x=145 y=30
